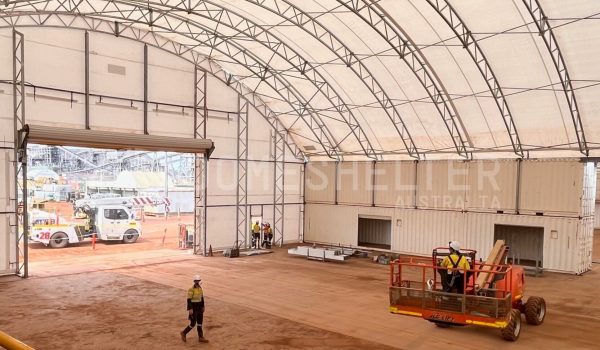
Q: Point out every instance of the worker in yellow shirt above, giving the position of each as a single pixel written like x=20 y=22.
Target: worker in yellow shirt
x=256 y=235
x=195 y=307
x=456 y=264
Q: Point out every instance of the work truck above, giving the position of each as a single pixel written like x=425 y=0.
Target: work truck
x=106 y=222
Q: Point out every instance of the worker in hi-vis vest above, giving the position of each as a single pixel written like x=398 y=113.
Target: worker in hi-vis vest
x=255 y=235
x=455 y=264
x=195 y=307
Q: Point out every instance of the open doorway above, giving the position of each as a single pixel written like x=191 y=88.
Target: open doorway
x=120 y=197
x=526 y=244
x=375 y=233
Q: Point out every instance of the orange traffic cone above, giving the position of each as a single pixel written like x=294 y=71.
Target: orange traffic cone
x=210 y=252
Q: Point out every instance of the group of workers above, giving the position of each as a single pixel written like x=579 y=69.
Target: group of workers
x=267 y=235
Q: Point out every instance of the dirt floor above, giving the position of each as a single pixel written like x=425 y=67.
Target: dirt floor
x=133 y=297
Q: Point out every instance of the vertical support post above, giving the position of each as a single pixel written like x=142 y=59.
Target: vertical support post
x=241 y=213
x=278 y=188
x=518 y=196
x=373 y=183
x=145 y=89
x=336 y=181
x=87 y=80
x=201 y=163
x=18 y=49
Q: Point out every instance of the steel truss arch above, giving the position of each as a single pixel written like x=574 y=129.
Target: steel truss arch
x=226 y=17
x=373 y=14
x=74 y=22
x=545 y=31
x=129 y=17
x=462 y=32
x=308 y=23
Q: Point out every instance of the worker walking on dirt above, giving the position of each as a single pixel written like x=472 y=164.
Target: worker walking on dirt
x=256 y=235
x=456 y=264
x=195 y=307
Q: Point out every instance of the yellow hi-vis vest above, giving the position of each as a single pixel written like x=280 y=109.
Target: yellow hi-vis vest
x=195 y=294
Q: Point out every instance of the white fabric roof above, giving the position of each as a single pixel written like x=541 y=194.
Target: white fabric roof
x=333 y=73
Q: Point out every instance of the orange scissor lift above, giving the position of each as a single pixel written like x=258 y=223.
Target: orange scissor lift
x=491 y=296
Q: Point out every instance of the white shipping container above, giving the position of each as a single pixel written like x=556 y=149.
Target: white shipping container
x=355 y=181
x=320 y=182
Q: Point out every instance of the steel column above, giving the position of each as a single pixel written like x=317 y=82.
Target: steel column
x=545 y=31
x=241 y=213
x=87 y=80
x=22 y=254
x=201 y=162
x=279 y=189
x=145 y=89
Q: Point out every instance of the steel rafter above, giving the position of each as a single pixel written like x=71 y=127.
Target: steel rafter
x=462 y=32
x=241 y=212
x=373 y=14
x=311 y=25
x=200 y=162
x=131 y=15
x=70 y=21
x=278 y=189
x=21 y=226
x=545 y=31
x=247 y=28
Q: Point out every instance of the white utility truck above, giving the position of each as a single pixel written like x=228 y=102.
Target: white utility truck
x=107 y=222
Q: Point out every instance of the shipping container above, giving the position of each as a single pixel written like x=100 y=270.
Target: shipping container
x=355 y=183
x=319 y=186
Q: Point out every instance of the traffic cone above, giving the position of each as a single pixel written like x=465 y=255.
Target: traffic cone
x=210 y=252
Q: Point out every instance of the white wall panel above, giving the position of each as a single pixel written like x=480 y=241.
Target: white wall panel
x=170 y=78
x=42 y=110
x=355 y=181
x=337 y=223
x=553 y=187
x=588 y=199
x=54 y=57
x=441 y=184
x=419 y=231
x=320 y=182
x=293 y=223
x=173 y=124
x=492 y=186
x=220 y=227
x=395 y=184
x=123 y=54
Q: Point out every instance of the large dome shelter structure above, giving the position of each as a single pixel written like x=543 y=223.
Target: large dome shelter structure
x=385 y=126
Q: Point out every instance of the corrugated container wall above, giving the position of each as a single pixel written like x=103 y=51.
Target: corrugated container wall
x=441 y=185
x=319 y=186
x=355 y=183
x=394 y=184
x=492 y=186
x=552 y=187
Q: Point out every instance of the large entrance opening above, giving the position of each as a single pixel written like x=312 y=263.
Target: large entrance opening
x=375 y=233
x=526 y=244
x=117 y=197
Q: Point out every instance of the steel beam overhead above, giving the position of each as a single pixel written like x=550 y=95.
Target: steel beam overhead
x=373 y=14
x=462 y=32
x=545 y=31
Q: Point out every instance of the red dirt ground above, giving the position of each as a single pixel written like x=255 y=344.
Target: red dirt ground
x=133 y=297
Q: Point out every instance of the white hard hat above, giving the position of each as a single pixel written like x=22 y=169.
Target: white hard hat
x=197 y=278
x=455 y=245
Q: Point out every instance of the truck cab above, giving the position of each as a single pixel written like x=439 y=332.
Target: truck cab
x=116 y=223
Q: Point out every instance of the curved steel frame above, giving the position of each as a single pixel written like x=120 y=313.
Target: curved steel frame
x=71 y=21
x=462 y=32
x=307 y=22
x=246 y=27
x=200 y=34
x=373 y=14
x=545 y=31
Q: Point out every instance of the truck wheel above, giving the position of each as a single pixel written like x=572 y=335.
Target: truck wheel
x=130 y=236
x=513 y=329
x=59 y=240
x=535 y=310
